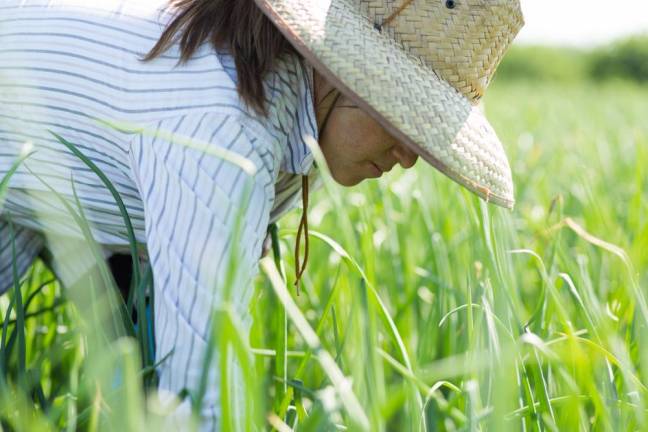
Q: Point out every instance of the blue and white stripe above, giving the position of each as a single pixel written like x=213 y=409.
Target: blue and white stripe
x=72 y=68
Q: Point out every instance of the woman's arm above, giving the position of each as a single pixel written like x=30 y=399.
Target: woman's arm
x=194 y=203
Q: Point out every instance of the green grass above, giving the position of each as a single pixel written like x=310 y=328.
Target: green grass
x=421 y=308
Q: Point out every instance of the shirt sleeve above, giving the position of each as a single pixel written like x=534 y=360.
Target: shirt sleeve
x=194 y=201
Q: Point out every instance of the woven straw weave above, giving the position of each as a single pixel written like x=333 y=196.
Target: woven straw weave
x=463 y=45
x=419 y=76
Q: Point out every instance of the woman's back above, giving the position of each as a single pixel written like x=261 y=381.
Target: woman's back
x=75 y=71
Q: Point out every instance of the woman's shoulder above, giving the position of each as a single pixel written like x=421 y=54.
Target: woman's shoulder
x=292 y=111
x=290 y=122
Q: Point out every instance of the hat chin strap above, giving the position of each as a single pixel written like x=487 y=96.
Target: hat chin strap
x=300 y=267
x=303 y=227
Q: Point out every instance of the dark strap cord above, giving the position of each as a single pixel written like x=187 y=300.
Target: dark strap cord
x=300 y=267
x=393 y=15
x=303 y=228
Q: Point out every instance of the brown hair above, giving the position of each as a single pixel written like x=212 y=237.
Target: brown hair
x=237 y=26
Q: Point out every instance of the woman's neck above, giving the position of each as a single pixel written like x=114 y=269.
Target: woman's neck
x=325 y=95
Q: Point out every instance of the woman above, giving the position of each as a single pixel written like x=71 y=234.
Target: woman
x=201 y=114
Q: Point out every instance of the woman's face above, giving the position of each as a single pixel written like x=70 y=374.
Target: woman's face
x=355 y=146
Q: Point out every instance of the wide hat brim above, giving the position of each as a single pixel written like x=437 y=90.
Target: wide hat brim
x=399 y=91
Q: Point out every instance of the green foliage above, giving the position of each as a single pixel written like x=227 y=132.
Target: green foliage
x=543 y=63
x=625 y=59
x=421 y=307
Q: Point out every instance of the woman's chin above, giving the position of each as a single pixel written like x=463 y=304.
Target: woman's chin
x=352 y=177
x=347 y=180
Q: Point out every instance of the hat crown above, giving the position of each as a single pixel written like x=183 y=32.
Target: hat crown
x=462 y=41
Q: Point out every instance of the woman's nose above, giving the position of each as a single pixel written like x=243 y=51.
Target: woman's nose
x=405 y=157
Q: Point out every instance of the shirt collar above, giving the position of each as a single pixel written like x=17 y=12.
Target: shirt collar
x=289 y=98
x=293 y=114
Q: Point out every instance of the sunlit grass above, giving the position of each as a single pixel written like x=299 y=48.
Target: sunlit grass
x=421 y=307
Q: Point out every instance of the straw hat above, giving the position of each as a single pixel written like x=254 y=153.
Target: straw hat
x=419 y=67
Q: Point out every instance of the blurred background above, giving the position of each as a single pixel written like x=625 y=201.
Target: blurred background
x=578 y=40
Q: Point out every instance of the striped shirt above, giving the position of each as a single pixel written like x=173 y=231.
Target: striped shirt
x=158 y=131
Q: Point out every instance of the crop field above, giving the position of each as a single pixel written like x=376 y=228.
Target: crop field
x=421 y=309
